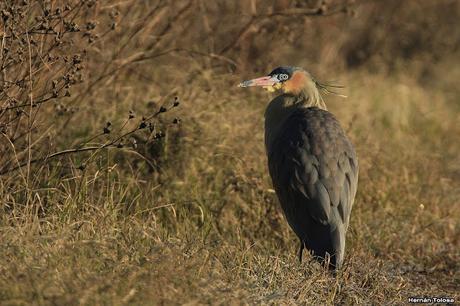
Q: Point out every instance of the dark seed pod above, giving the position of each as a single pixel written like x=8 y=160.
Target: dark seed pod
x=176 y=102
x=106 y=129
x=134 y=143
x=159 y=135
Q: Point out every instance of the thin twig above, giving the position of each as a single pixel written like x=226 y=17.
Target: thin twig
x=315 y=12
x=84 y=149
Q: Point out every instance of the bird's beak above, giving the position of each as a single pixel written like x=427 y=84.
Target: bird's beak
x=266 y=81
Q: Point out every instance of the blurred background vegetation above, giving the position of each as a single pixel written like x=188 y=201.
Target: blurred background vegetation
x=132 y=169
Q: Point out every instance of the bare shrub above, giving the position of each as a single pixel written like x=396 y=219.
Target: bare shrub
x=46 y=50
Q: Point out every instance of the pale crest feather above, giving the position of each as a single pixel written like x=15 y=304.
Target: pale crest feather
x=313 y=90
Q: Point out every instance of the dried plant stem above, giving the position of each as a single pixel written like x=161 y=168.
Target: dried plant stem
x=29 y=118
x=96 y=149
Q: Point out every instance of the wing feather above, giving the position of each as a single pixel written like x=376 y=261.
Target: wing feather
x=314 y=168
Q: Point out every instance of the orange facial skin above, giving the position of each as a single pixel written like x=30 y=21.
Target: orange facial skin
x=295 y=84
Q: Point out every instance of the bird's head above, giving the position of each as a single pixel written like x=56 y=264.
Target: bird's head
x=293 y=81
x=289 y=80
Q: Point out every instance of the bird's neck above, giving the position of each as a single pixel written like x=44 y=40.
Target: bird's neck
x=280 y=108
x=309 y=95
x=276 y=114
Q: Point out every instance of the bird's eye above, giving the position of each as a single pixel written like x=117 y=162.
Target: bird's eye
x=283 y=77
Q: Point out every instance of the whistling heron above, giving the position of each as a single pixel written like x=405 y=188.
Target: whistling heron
x=312 y=163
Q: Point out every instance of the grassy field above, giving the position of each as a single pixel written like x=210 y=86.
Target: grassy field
x=190 y=216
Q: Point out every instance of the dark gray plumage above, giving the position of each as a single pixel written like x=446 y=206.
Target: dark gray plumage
x=313 y=165
x=314 y=171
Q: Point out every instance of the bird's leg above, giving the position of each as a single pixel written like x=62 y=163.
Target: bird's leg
x=301 y=250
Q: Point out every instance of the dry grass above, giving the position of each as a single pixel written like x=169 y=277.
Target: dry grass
x=211 y=231
x=202 y=225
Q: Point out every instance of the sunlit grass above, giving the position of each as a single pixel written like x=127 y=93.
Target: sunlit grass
x=208 y=228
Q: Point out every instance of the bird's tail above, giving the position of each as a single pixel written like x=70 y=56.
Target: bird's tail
x=328 y=245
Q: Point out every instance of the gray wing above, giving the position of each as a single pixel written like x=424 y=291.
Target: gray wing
x=314 y=170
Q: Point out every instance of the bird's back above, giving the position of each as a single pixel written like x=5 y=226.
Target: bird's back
x=314 y=170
